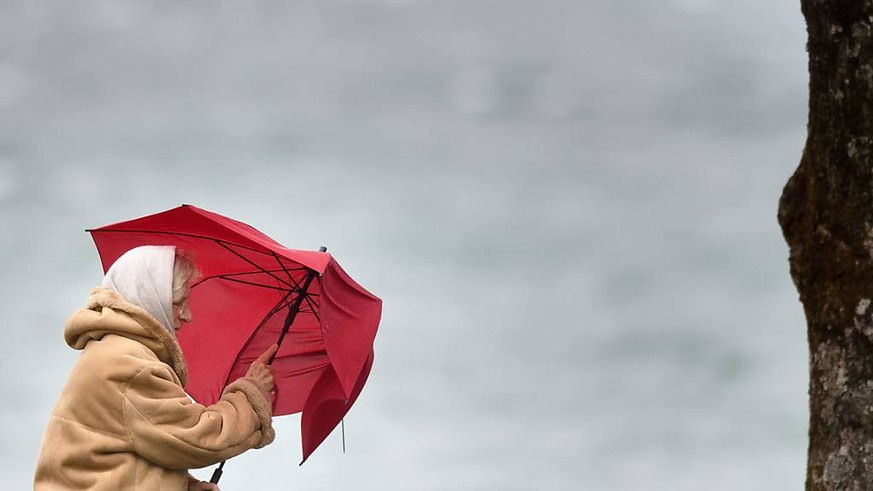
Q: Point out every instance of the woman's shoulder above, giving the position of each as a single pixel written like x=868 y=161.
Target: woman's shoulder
x=118 y=356
x=114 y=344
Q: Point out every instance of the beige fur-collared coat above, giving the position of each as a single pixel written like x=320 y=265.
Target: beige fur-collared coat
x=123 y=420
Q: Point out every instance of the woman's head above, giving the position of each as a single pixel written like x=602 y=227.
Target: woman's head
x=147 y=276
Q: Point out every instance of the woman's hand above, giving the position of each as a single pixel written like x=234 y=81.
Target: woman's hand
x=262 y=374
x=203 y=486
x=195 y=484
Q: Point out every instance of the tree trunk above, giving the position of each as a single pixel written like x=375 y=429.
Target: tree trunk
x=826 y=215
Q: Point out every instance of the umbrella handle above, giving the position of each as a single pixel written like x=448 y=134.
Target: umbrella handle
x=217 y=474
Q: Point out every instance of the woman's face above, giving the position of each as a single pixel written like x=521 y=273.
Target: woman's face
x=181 y=313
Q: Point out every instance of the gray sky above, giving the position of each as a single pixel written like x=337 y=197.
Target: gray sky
x=568 y=209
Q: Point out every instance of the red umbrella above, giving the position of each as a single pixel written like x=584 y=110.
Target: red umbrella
x=253 y=292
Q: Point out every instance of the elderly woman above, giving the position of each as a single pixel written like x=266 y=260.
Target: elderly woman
x=123 y=420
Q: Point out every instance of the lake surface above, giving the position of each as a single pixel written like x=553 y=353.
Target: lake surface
x=568 y=209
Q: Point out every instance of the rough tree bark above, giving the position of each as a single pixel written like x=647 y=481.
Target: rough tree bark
x=826 y=215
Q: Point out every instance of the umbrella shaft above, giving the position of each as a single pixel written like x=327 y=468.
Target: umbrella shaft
x=216 y=476
x=293 y=309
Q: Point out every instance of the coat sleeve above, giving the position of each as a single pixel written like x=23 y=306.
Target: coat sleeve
x=167 y=428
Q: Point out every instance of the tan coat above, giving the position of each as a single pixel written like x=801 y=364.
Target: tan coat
x=123 y=421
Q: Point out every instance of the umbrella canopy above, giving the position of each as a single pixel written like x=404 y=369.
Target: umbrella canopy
x=250 y=289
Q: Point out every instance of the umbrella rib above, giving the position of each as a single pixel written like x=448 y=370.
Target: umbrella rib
x=231 y=277
x=306 y=296
x=244 y=273
x=235 y=280
x=285 y=269
x=299 y=288
x=281 y=304
x=222 y=244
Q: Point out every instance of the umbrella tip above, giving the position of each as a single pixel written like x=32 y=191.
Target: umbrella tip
x=322 y=249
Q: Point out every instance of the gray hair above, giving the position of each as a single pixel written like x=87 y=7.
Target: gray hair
x=185 y=272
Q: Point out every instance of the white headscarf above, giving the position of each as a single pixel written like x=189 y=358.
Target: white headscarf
x=144 y=277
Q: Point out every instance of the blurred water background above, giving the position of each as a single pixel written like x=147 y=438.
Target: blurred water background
x=568 y=208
